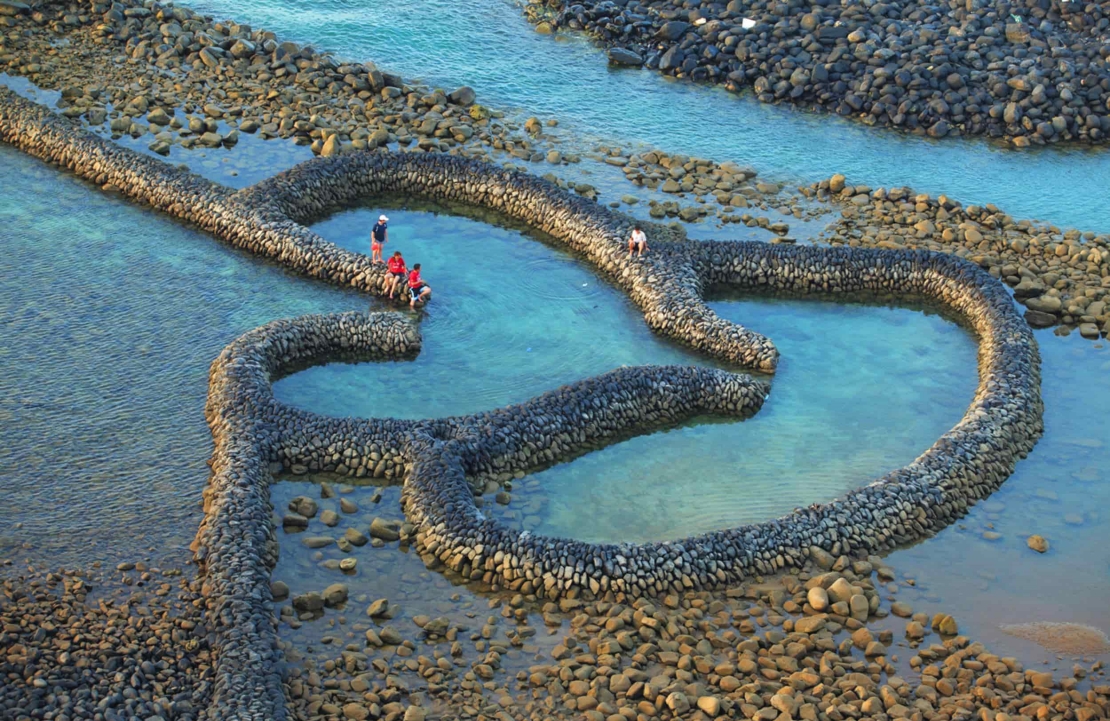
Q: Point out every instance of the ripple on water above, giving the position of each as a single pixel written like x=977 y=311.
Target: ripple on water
x=112 y=316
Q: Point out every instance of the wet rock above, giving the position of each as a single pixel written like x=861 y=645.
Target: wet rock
x=378 y=609
x=335 y=594
x=355 y=537
x=308 y=602
x=279 y=590
x=293 y=522
x=385 y=530
x=1037 y=543
x=464 y=96
x=623 y=56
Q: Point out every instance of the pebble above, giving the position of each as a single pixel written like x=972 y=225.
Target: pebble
x=1037 y=543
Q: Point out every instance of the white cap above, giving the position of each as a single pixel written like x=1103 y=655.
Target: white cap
x=383 y=218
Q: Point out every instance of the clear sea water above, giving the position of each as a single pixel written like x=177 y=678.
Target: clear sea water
x=861 y=390
x=112 y=314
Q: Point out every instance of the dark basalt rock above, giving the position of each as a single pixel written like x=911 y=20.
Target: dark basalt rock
x=942 y=68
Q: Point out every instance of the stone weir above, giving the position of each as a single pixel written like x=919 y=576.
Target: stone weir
x=266 y=219
x=235 y=546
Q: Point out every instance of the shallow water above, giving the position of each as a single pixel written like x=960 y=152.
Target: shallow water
x=1061 y=492
x=861 y=390
x=487 y=44
x=111 y=316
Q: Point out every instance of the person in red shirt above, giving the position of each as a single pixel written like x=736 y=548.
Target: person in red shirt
x=419 y=291
x=397 y=273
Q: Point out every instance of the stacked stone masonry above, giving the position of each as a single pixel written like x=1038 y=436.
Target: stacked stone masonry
x=236 y=547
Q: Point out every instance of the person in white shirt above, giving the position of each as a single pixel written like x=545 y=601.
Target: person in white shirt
x=637 y=243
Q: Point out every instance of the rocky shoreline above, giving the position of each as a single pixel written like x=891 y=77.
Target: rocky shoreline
x=1032 y=72
x=793 y=646
x=147 y=70
x=89 y=644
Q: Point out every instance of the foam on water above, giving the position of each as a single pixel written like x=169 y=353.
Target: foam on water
x=489 y=45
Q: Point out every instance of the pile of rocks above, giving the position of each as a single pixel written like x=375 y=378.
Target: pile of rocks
x=730 y=185
x=1035 y=72
x=82 y=645
x=178 y=77
x=1061 y=276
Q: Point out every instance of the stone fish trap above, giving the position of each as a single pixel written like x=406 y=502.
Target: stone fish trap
x=236 y=547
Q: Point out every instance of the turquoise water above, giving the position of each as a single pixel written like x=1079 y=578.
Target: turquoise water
x=510 y=318
x=487 y=44
x=1062 y=492
x=861 y=390
x=111 y=315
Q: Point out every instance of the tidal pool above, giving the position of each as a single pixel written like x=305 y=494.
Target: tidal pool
x=111 y=316
x=510 y=318
x=487 y=44
x=861 y=390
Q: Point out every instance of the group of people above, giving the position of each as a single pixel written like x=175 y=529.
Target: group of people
x=399 y=275
x=419 y=291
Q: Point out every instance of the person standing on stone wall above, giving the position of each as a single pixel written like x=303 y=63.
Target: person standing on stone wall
x=379 y=234
x=637 y=243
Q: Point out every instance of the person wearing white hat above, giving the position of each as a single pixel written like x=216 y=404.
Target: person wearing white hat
x=379 y=234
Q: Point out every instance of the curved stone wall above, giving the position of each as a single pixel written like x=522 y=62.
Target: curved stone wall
x=662 y=284
x=235 y=545
x=266 y=219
